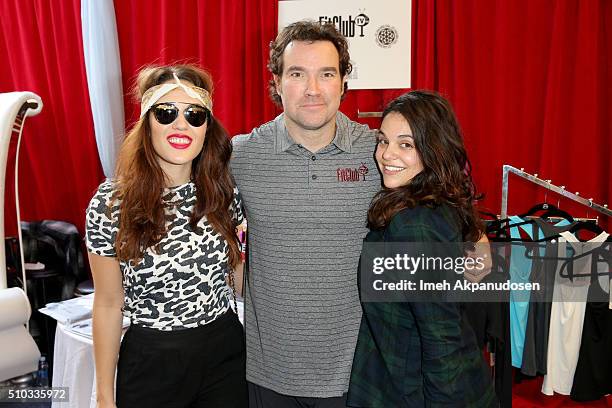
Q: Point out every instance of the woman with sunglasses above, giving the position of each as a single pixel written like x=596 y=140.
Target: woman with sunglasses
x=420 y=353
x=162 y=249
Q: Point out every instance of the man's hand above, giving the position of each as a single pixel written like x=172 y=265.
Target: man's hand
x=482 y=250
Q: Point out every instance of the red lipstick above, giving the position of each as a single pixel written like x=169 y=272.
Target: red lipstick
x=179 y=141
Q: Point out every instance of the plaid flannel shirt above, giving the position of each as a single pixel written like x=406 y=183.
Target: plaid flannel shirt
x=417 y=354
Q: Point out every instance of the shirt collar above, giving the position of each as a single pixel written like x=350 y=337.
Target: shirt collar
x=341 y=140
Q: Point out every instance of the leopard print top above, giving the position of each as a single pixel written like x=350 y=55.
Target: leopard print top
x=183 y=286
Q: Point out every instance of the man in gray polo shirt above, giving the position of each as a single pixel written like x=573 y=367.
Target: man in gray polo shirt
x=306 y=179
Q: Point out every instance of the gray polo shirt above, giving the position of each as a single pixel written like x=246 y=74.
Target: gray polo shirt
x=306 y=216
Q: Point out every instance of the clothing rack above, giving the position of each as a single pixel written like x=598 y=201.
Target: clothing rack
x=507 y=169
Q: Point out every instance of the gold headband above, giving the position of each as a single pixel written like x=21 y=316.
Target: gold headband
x=153 y=94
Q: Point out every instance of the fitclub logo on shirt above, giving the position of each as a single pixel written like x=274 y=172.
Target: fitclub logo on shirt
x=349 y=175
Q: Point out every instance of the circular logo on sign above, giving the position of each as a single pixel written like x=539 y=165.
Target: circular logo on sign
x=362 y=20
x=386 y=36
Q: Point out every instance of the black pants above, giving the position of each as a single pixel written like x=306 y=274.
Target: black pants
x=196 y=368
x=260 y=397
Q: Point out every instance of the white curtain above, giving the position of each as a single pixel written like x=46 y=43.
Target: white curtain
x=102 y=62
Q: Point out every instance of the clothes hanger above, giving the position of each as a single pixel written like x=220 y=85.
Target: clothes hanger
x=586 y=226
x=578 y=226
x=550 y=210
x=499 y=229
x=602 y=253
x=599 y=254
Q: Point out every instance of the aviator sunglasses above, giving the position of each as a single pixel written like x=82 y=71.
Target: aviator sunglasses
x=167 y=112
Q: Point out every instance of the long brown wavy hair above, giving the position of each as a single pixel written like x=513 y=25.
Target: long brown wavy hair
x=141 y=180
x=446 y=176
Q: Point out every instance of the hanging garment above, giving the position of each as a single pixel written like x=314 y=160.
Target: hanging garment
x=520 y=271
x=503 y=363
x=593 y=376
x=538 y=320
x=567 y=318
x=491 y=321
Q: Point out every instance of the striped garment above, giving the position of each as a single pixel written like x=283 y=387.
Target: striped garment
x=306 y=216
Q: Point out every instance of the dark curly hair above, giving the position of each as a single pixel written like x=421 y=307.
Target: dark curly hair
x=306 y=31
x=446 y=175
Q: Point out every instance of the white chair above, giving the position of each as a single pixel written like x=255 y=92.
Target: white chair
x=18 y=352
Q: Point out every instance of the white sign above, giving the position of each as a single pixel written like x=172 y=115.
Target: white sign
x=378 y=32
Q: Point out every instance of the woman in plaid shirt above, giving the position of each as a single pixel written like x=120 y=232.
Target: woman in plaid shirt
x=420 y=354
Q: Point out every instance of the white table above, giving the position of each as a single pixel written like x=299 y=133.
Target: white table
x=73 y=367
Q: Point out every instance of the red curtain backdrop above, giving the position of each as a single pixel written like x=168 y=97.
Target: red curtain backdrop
x=59 y=169
x=228 y=38
x=531 y=84
x=530 y=81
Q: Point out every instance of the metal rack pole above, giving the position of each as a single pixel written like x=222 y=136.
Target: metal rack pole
x=369 y=114
x=507 y=169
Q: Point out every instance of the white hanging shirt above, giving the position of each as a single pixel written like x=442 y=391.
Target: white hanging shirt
x=567 y=317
